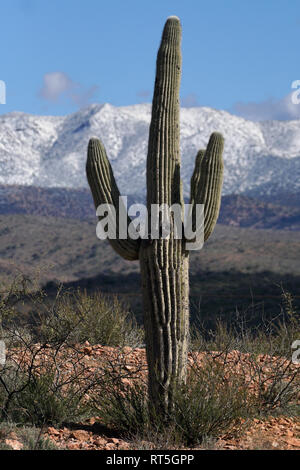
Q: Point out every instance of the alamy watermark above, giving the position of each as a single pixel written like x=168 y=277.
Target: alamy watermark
x=159 y=224
x=296 y=354
x=2 y=92
x=2 y=353
x=295 y=96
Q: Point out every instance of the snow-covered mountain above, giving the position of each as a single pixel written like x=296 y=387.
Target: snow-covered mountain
x=260 y=157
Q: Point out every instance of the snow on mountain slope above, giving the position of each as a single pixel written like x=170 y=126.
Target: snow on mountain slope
x=263 y=157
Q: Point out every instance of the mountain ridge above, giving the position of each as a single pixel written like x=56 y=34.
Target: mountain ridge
x=261 y=158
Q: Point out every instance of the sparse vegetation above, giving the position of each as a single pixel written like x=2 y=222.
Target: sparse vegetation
x=50 y=377
x=45 y=379
x=26 y=438
x=225 y=389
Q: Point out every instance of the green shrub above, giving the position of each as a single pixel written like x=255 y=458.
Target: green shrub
x=96 y=318
x=43 y=401
x=204 y=408
x=210 y=404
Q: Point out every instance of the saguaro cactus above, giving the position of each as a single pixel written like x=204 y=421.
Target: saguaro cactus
x=164 y=261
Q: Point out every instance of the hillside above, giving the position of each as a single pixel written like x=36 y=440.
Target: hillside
x=236 y=210
x=243 y=211
x=237 y=267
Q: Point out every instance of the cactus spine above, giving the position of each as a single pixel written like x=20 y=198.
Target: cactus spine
x=164 y=262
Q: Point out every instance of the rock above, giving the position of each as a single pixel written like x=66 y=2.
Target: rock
x=80 y=435
x=72 y=446
x=113 y=440
x=53 y=431
x=293 y=441
x=14 y=444
x=88 y=350
x=99 y=441
x=110 y=446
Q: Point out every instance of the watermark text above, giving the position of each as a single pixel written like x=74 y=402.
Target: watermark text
x=2 y=353
x=2 y=92
x=177 y=221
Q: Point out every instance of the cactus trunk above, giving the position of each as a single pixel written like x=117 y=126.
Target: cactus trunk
x=164 y=261
x=166 y=318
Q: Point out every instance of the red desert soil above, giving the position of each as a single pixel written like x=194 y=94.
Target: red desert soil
x=274 y=433
x=271 y=433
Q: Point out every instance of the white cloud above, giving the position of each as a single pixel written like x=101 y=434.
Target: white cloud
x=58 y=86
x=55 y=85
x=283 y=110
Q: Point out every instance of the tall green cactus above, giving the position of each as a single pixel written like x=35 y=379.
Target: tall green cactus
x=164 y=261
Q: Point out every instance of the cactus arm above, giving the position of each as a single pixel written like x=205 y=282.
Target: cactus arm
x=206 y=183
x=105 y=191
x=196 y=175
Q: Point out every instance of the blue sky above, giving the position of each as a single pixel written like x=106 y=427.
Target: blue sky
x=60 y=55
